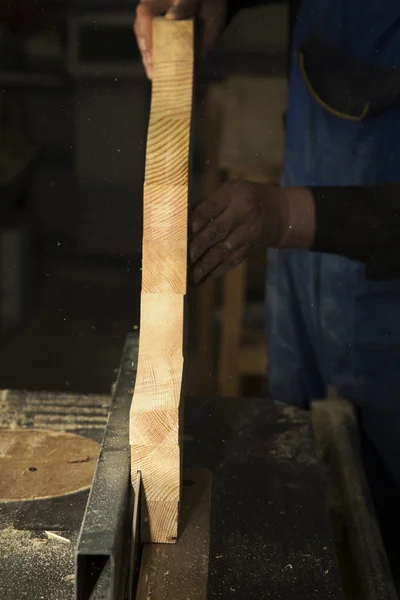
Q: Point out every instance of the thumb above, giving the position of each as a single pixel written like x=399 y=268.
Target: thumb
x=182 y=9
x=213 y=17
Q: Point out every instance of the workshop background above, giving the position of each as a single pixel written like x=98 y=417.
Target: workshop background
x=74 y=105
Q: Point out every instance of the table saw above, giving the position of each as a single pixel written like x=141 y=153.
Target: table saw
x=254 y=519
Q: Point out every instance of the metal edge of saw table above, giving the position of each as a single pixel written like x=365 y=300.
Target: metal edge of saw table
x=101 y=565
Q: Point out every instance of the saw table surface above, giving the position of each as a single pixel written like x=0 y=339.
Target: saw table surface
x=270 y=534
x=270 y=529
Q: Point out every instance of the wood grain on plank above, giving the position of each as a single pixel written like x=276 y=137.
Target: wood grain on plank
x=155 y=419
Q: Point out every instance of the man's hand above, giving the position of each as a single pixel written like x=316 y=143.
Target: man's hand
x=212 y=14
x=239 y=217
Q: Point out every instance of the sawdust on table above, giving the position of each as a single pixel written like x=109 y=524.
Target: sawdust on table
x=30 y=558
x=293 y=443
x=28 y=543
x=60 y=411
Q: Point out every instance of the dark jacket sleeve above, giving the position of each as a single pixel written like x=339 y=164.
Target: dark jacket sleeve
x=361 y=223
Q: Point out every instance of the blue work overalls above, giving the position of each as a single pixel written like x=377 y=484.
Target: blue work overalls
x=326 y=324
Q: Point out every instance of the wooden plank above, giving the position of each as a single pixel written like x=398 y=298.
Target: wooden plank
x=181 y=571
x=155 y=417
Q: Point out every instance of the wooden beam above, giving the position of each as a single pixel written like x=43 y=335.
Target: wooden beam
x=156 y=413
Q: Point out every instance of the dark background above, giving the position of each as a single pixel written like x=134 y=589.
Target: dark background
x=74 y=105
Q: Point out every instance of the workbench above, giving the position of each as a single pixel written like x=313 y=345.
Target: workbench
x=270 y=531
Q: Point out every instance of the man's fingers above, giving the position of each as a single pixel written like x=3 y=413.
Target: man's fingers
x=213 y=18
x=143 y=27
x=210 y=261
x=182 y=9
x=209 y=209
x=233 y=261
x=143 y=31
x=174 y=10
x=209 y=36
x=213 y=233
x=155 y=8
x=220 y=253
x=217 y=261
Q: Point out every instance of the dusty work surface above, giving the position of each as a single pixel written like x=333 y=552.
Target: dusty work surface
x=270 y=530
x=270 y=534
x=34 y=564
